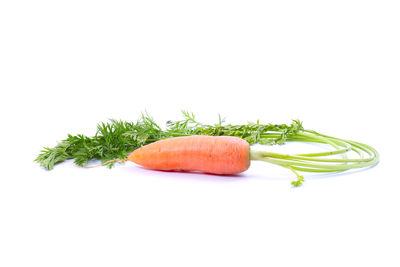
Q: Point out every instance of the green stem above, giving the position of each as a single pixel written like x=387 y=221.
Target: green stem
x=317 y=162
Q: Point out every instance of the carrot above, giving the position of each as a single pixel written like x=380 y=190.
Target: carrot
x=209 y=154
x=218 y=149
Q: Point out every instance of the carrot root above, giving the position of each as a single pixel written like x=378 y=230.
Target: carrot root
x=209 y=154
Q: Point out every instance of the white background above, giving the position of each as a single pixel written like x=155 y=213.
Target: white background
x=67 y=65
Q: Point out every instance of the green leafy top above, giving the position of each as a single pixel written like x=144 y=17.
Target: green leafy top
x=116 y=138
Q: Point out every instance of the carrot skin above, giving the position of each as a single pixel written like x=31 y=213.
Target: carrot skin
x=209 y=154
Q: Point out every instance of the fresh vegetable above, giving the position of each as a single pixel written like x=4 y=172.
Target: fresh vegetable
x=115 y=140
x=210 y=154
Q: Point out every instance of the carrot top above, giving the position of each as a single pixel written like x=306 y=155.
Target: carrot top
x=116 y=139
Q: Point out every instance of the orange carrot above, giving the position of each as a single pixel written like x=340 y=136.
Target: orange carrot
x=209 y=154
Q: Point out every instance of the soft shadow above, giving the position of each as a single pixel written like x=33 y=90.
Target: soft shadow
x=335 y=174
x=195 y=175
